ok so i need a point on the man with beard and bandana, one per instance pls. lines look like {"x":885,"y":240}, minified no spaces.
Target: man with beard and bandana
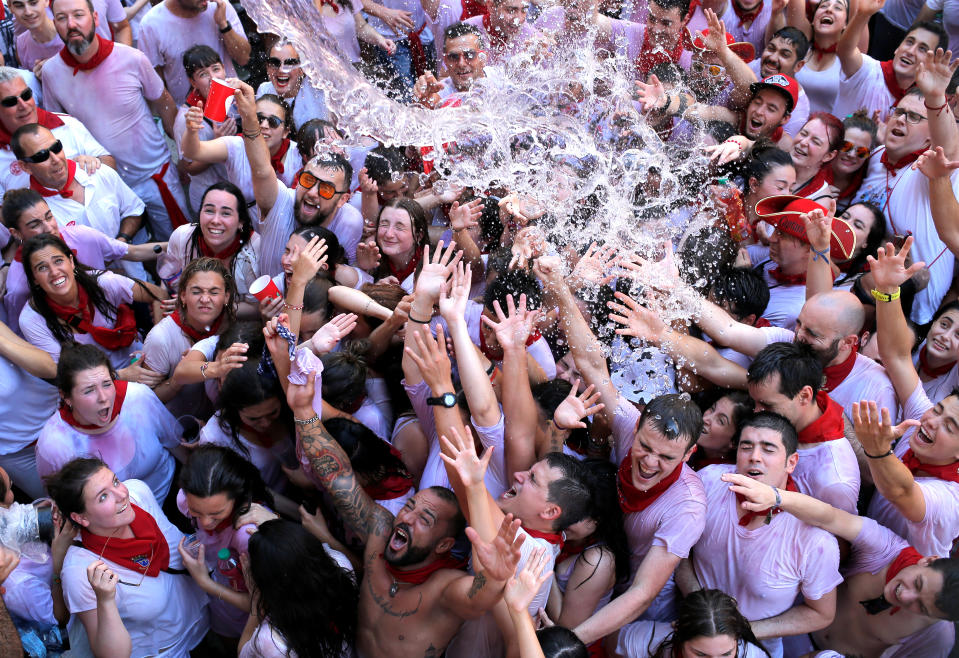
{"x":319,"y":198}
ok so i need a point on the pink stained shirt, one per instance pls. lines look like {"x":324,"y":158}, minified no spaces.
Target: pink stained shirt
{"x":785,"y":300}
{"x":163,"y":350}
{"x":30,"y":51}
{"x":874,"y":548}
{"x":829,"y":471}
{"x":755,"y":33}
{"x":763,"y":569}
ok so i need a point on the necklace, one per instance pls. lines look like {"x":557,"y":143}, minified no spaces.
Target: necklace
{"x":394,"y":588}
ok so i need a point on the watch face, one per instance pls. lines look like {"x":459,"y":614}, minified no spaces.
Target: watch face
{"x":449,"y":400}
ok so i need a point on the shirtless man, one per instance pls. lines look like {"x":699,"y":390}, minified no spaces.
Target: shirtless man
{"x":413,"y":598}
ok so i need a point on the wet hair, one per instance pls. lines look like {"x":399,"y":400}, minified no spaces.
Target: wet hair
{"x":74,"y":360}
{"x":369,"y":455}
{"x":674,"y":416}
{"x":344,"y":374}
{"x":17,"y":202}
{"x":744,"y":290}
{"x":667,"y":72}
{"x":419,"y":225}
{"x":383,"y":162}
{"x":706,"y":613}
{"x":249,"y":332}
{"x":681,"y":5}
{"x":763,"y":161}
{"x":935,"y":28}
{"x":19,"y":134}
{"x":795,"y":363}
{"x":316,"y":297}
{"x":548,"y":396}
{"x":742,"y":403}
{"x":770,"y":420}
{"x":561,"y":642}
{"x":66,"y":485}
{"x":835,"y":129}
{"x":874,"y":238}
{"x":570,"y":491}
{"x":458,"y":522}
{"x":309,"y":599}
{"x":491,"y":228}
{"x":215,"y":265}
{"x":210,"y":470}
{"x":457,"y":30}
{"x":244,"y":225}
{"x":861,"y":120}
{"x":335,"y":254}
{"x":706,"y":256}
{"x":336,"y":162}
{"x":516,"y":283}
{"x":311,"y":133}
{"x":719,"y":130}
{"x":796,"y":38}
{"x":953,"y":83}
{"x":604,"y":509}
{"x":947,"y":600}
{"x":199,"y":57}
{"x":244,"y":387}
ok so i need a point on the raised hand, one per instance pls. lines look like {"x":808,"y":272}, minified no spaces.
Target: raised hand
{"x":716,"y":39}
{"x":594,"y":267}
{"x":331,"y":333}
{"x":275,"y":343}
{"x":869,"y":7}
{"x":637,"y":320}
{"x":462,"y":457}
{"x":934,"y":74}
{"x":300,"y":397}
{"x":874,"y":428}
{"x":431,"y":357}
{"x":367,"y":255}
{"x":574,"y":408}
{"x":367,"y":184}
{"x":196,"y":566}
{"x":466,"y":216}
{"x":818,"y":229}
{"x":255,"y":515}
{"x":102,"y":579}
{"x":732,"y":149}
{"x":310,"y":260}
{"x":229,"y":359}
{"x":453,"y":301}
{"x":528,"y":244}
{"x":515,"y":326}
{"x":524,"y":209}
{"x":426,"y":90}
{"x":435,"y":271}
{"x":523,"y":588}
{"x":315,"y":524}
{"x":226,"y":128}
{"x":889,"y":268}
{"x":549,"y":271}
{"x":498,"y":558}
{"x":935,"y":164}
{"x":194,"y":118}
{"x":651,"y":94}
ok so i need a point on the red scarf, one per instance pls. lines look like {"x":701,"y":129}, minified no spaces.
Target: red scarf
{"x":67,"y":414}
{"x":473,"y":8}
{"x":332,"y":3}
{"x":276,"y":161}
{"x":744,"y":15}
{"x":929,"y":370}
{"x":836,"y":375}
{"x":762,"y":322}
{"x":193,"y":98}
{"x":401,"y":274}
{"x":815,"y":183}
{"x":906,"y":558}
{"x":650,"y":55}
{"x":498,"y":355}
{"x":80,"y":317}
{"x":788,"y":279}
{"x":907,"y":159}
{"x":147,"y":546}
{"x":554,"y":538}
{"x":819,"y":52}
{"x":631,"y":498}
{"x":829,"y":426}
{"x":890,"y":78}
{"x":854,"y":183}
{"x":947,"y":472}
{"x":48,"y":120}
{"x":421,"y":575}
{"x":496,"y":38}
{"x":568,"y":550}
{"x":392,"y":486}
{"x":227,"y":252}
{"x":104,"y":49}
{"x":195,"y":334}
{"x":749,"y":516}
{"x":65,"y":191}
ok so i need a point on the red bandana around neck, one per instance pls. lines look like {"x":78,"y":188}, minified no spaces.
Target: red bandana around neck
{"x":815,"y":183}
{"x":904,"y":161}
{"x":402,"y":274}
{"x":836,"y":375}
{"x":746,"y":16}
{"x":193,"y":98}
{"x":81,"y":318}
{"x":819,"y":52}
{"x":228,"y":251}
{"x":421,"y":575}
{"x":906,"y":558}
{"x":473,"y":8}
{"x":48,"y":120}
{"x":749,"y":515}
{"x":947,"y":472}
{"x":762,"y":322}
{"x":104,"y":49}
{"x":889,"y":76}
{"x":631,"y":498}
{"x":788,"y":279}
{"x":121,"y":388}
{"x":829,"y":426}
{"x":65,"y":191}
{"x":554,"y":538}
{"x":276,"y":161}
{"x":195,"y":334}
{"x":392,"y":486}
{"x":147,"y":552}
{"x":332,"y":3}
{"x":651,"y":55}
{"x":929,"y":370}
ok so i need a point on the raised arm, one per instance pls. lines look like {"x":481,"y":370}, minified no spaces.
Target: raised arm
{"x":459,"y":453}
{"x":819,"y":276}
{"x":237,"y":45}
{"x":933,"y":77}
{"x":796,"y":17}
{"x":737,"y":69}
{"x":257,"y":152}
{"x":848,"y":47}
{"x":211,"y":151}
{"x":519,"y":595}
{"x":942,"y":198}
{"x":21,"y":353}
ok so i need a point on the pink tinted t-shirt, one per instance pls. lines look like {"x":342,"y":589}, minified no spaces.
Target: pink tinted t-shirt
{"x":829,"y":471}
{"x":163,"y":350}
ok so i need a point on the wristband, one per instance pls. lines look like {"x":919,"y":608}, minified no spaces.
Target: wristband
{"x":409,"y":316}
{"x":252,"y":136}
{"x":293,"y":307}
{"x":203,"y":369}
{"x":669,"y":101}
{"x":733,"y":140}
{"x":938,"y":110}
{"x":124,"y":236}
{"x":491,"y":369}
{"x":779,"y":499}
{"x":824,"y":254}
{"x":882,"y":456}
{"x":157,"y":249}
{"x":883,"y":297}
{"x":560,"y":427}
{"x":308,"y":421}
{"x":226,"y":28}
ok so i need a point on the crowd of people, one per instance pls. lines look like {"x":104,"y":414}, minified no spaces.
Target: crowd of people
{"x":272,"y":390}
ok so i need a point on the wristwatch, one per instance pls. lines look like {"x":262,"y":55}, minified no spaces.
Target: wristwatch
{"x":447,"y":400}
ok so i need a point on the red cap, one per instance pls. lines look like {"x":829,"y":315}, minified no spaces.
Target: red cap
{"x":743,"y":49}
{"x":781,"y":82}
{"x":784,"y":212}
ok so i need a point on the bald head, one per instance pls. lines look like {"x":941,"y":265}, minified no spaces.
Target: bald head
{"x":844,"y":310}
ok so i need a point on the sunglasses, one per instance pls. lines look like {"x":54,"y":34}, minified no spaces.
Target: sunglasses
{"x":911,"y":117}
{"x":276,"y":62}
{"x":324,"y":188}
{"x":272,"y":121}
{"x":714,"y":70}
{"x":468,"y":55}
{"x":11,"y":101}
{"x":861,"y":151}
{"x":44,"y":154}
{"x":144,"y":567}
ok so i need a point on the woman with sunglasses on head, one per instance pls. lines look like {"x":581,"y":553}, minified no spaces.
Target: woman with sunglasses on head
{"x":288,"y":81}
{"x":815,"y":146}
{"x":869,"y":225}
{"x":121,"y":582}
{"x":70,"y":303}
{"x":819,"y":74}
{"x":850,"y":166}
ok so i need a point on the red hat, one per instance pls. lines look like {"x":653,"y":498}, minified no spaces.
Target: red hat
{"x":782,"y":83}
{"x":743,"y":49}
{"x":784,"y":212}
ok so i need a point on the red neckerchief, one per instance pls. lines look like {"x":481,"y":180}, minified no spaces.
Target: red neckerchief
{"x":276,"y":161}
{"x":81,"y":317}
{"x":699,"y":460}
{"x":762,"y":322}
{"x":227,"y":252}
{"x":222,"y":525}
{"x":193,"y":98}
{"x":836,"y":375}
{"x":496,"y":38}
{"x":392,"y":486}
{"x":48,"y":120}
{"x":146,"y":553}
{"x":819,"y":52}
{"x":906,"y":558}
{"x":890,"y":78}
{"x":776,"y":135}
{"x":907,"y":159}
{"x":829,"y":426}
{"x":65,"y":191}
{"x":746,"y":16}
{"x":570,"y":549}
{"x":750,"y":515}
{"x":947,"y":472}
{"x":929,"y":370}
{"x":473,"y":8}
{"x":498,"y":356}
{"x":332,"y":3}
{"x":815,"y":183}
{"x":631,"y":498}
{"x":410,"y":267}
{"x":104,"y":49}
{"x":554,"y":538}
{"x":195,"y":334}
{"x":67,"y":414}
{"x":649,"y":56}
{"x":421,"y":575}
{"x":788,"y":279}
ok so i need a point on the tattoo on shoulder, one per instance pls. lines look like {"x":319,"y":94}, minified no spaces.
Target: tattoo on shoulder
{"x":478,"y":582}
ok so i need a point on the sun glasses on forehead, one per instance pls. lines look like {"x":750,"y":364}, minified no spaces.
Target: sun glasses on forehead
{"x":276,"y":62}
{"x":861,"y":151}
{"x":11,"y":101}
{"x":44,"y":154}
{"x":324,"y":188}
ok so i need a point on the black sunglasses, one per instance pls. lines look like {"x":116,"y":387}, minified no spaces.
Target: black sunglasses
{"x":44,"y":154}
{"x":276,"y":62}
{"x":11,"y":101}
{"x":272,"y":121}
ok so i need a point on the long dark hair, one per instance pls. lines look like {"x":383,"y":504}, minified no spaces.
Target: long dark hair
{"x":418,"y":224}
{"x":346,"y":372}
{"x":245,"y":227}
{"x":600,"y":476}
{"x":207,"y":264}
{"x":211,"y":470}
{"x":306,"y":596}
{"x":706,"y":613}
{"x":66,"y":485}
{"x":242,"y":388}
{"x":77,"y":358}
{"x":369,"y":454}
{"x":874,"y":240}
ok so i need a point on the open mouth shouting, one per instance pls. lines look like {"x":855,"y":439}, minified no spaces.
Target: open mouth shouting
{"x":400,"y":539}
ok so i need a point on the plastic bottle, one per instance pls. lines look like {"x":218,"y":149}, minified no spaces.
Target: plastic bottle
{"x":229,"y":566}
{"x":732,"y":200}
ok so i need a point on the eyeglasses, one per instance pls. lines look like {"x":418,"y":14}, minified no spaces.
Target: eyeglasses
{"x":272,"y":121}
{"x":468,"y":55}
{"x":11,"y":101}
{"x":714,"y":70}
{"x":324,"y":188}
{"x":44,"y":154}
{"x":276,"y":62}
{"x":138,"y":562}
{"x":911,"y":117}
{"x":861,"y":151}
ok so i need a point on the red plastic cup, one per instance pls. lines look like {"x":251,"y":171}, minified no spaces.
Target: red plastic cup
{"x":218,"y":100}
{"x":264,"y":288}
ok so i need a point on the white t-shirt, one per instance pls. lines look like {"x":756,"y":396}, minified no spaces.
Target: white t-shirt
{"x":309,"y":102}
{"x":829,"y":471}
{"x":266,"y":460}
{"x":822,"y":86}
{"x":163,"y":350}
{"x":950,"y":17}
{"x":755,"y":33}
{"x":864,"y":89}
{"x":342,"y":27}
{"x":27,"y":594}
{"x":238,"y":171}
{"x":785,"y":300}
{"x":214,"y":173}
{"x":107,"y":200}
{"x":168,"y":612}
{"x":246,"y":265}
{"x":27,"y":403}
{"x":641,"y":639}
{"x":30,"y":51}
